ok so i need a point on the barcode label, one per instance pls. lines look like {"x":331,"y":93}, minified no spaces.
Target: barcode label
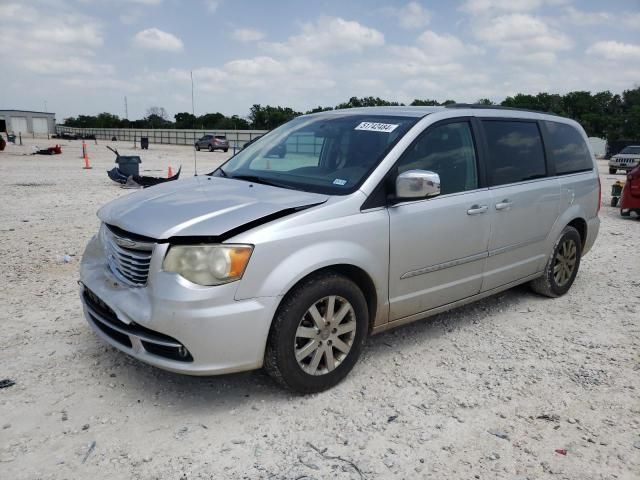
{"x":377,"y":127}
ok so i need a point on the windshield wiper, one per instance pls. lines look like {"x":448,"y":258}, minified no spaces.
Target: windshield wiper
{"x":263,"y":181}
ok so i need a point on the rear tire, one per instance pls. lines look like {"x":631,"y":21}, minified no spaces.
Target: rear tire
{"x":320,"y":299}
{"x":197,"y":147}
{"x":562,"y":266}
{"x":612,"y":171}
{"x":211,"y":148}
{"x":625,"y":212}
{"x":225,"y":150}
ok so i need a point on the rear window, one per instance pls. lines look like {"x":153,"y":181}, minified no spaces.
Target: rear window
{"x":221,"y":137}
{"x":567,"y":149}
{"x":515,"y":151}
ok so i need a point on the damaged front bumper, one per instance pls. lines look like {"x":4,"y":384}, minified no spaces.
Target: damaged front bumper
{"x":170,"y":322}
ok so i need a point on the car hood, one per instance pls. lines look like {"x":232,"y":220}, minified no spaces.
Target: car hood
{"x":626,"y":155}
{"x":201,"y":206}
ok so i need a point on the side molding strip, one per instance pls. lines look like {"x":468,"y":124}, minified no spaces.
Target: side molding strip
{"x":471,"y":258}
{"x":442,"y":266}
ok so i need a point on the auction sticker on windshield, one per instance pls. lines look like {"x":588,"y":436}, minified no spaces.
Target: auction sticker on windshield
{"x":376,"y":127}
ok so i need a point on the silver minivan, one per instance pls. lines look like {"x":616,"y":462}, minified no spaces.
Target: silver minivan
{"x":335,"y":226}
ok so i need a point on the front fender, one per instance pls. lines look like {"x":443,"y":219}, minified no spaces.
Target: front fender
{"x":278,"y":264}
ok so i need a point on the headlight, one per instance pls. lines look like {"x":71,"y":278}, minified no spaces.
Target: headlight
{"x":208,"y":264}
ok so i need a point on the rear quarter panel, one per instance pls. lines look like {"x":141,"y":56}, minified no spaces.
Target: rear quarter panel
{"x":579,"y":198}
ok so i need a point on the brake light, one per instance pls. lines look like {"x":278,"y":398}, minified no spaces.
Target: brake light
{"x":599,"y":195}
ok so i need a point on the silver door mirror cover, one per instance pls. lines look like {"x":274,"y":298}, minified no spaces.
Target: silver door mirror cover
{"x":414,"y":184}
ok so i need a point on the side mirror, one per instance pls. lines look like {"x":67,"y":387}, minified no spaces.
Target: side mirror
{"x":415,"y":184}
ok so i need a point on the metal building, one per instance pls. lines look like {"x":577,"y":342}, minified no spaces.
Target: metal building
{"x":26,"y":122}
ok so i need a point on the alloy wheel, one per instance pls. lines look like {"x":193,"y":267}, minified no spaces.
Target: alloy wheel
{"x":565,"y":262}
{"x":325,"y":335}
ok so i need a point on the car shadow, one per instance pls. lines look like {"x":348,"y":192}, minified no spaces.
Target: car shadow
{"x":205,"y":395}
{"x":442,"y":324}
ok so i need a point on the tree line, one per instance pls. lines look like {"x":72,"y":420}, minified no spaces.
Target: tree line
{"x":603,"y":114}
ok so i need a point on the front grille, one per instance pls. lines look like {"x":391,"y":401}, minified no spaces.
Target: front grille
{"x":103,"y":317}
{"x":627,"y":161}
{"x":128,"y":259}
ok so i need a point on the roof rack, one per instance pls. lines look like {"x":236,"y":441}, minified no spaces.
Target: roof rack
{"x":477,"y":106}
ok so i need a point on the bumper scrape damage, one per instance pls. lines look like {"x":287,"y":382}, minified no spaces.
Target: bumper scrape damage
{"x":172,"y":323}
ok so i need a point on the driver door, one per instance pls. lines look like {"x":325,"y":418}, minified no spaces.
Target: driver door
{"x":438,"y":246}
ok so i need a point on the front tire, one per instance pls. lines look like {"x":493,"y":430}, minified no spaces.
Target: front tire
{"x":197,"y":148}
{"x":317,"y":334}
{"x":612,"y":171}
{"x":562,"y":266}
{"x":211,"y":148}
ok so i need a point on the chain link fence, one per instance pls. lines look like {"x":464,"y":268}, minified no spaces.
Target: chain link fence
{"x":237,"y":138}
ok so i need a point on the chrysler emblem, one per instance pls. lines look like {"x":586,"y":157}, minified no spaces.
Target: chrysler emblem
{"x":125,"y":242}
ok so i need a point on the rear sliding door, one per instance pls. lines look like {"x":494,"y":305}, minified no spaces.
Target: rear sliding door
{"x":524,"y":200}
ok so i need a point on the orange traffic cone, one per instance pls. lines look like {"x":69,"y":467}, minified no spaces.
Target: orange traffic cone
{"x":169,"y":172}
{"x":86,"y":157}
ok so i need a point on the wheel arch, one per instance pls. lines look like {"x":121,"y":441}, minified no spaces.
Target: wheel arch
{"x":580,"y":224}
{"x":356,"y":274}
{"x":574,"y":217}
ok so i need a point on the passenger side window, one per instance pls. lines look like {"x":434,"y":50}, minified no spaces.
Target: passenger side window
{"x":567,"y":148}
{"x":447,"y":150}
{"x":515,"y":151}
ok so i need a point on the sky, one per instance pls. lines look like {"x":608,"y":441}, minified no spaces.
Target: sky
{"x":84,"y":56}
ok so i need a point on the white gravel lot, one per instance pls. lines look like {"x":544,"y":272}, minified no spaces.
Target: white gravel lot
{"x":486,"y":391}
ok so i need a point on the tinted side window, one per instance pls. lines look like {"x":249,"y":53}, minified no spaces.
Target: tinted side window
{"x":568,"y":150}
{"x":447,"y":150}
{"x":515,"y":151}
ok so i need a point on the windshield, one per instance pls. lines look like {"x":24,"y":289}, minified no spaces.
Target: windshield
{"x":331,"y":154}
{"x":633,"y":150}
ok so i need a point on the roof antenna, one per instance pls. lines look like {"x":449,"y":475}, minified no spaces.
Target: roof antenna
{"x":193,"y":112}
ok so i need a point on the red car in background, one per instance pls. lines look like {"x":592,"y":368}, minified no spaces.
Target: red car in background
{"x":630,"y":199}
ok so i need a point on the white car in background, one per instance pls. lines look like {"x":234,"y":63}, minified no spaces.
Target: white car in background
{"x":626,"y":160}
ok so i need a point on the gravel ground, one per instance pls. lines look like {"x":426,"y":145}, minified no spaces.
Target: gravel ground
{"x":492,"y":390}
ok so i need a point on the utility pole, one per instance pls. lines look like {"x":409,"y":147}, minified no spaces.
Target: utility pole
{"x":193,"y":108}
{"x":193,"y":112}
{"x":126,"y":108}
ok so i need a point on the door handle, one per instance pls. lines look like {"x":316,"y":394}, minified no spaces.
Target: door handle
{"x":504,"y":205}
{"x":477,"y":209}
